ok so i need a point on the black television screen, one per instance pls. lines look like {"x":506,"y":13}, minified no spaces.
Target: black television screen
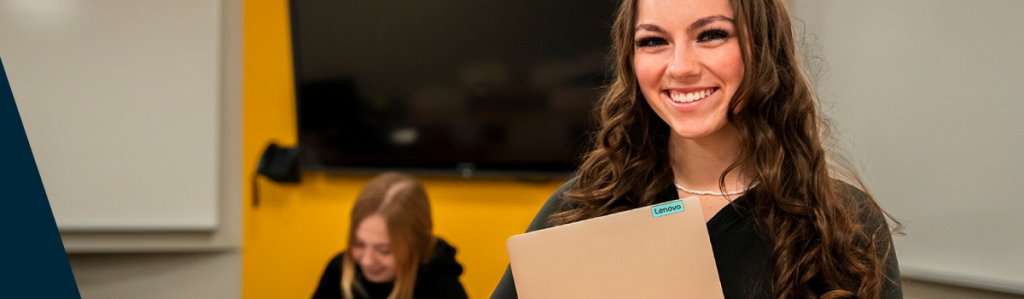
{"x":501,"y":87}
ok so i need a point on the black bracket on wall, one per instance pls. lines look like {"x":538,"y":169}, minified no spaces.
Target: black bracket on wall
{"x":279,"y":164}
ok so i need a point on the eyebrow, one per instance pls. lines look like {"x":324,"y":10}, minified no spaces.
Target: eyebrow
{"x":697,"y":24}
{"x":649,"y":27}
{"x":707,"y":20}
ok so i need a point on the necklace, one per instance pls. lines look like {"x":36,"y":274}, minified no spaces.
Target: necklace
{"x":697,"y":192}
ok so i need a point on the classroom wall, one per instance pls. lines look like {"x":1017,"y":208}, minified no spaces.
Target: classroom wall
{"x":917,"y":289}
{"x":170,"y":265}
{"x":115,"y":89}
{"x":289,"y":238}
{"x":926,"y":98}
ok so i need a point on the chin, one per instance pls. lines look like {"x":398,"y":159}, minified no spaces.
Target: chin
{"x":698,"y":132}
{"x":690,"y":133}
{"x":378,"y":279}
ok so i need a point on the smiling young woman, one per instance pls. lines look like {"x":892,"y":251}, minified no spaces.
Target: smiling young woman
{"x":709,"y":100}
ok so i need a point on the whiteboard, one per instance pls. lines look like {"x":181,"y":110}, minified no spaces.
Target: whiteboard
{"x":120,"y":100}
{"x":928,"y":97}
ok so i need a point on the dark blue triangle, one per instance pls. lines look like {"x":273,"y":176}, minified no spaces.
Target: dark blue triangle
{"x":33,"y":263}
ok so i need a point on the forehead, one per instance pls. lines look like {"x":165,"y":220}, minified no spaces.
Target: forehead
{"x":679,"y":13}
{"x":373,"y":230}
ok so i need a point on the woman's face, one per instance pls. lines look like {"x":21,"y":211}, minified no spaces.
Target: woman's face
{"x":688,"y":63}
{"x":372,"y":250}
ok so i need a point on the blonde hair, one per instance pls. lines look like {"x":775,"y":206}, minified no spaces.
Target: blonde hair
{"x":402,"y":201}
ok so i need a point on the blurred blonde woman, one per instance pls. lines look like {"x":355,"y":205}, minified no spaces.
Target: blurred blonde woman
{"x":392,"y":252}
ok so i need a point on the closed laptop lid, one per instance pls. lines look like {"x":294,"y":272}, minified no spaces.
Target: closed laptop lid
{"x":660,"y":251}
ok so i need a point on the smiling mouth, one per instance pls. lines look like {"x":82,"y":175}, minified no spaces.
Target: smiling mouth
{"x":681,"y":97}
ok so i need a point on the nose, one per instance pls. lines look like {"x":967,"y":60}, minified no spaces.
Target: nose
{"x":366,"y":259}
{"x":683,"y":64}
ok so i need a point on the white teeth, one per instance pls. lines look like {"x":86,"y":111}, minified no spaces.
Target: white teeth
{"x":690,"y":97}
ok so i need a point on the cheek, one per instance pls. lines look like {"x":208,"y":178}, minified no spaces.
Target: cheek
{"x":648,"y":72}
{"x":728,"y":64}
{"x":388,"y":261}
{"x":357,"y":254}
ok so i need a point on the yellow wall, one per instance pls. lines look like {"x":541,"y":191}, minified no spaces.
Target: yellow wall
{"x":293,"y":233}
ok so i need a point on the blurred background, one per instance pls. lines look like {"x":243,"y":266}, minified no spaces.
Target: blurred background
{"x":148,"y":119}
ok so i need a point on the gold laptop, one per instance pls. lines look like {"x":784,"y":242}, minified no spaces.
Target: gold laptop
{"x":660,"y":251}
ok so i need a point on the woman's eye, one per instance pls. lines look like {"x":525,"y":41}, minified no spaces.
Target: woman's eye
{"x":650,"y":42}
{"x":712,"y":35}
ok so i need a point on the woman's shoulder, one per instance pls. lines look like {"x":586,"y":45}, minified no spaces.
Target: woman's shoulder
{"x":330,"y":281}
{"x":553,"y":205}
{"x":862,"y":205}
{"x":442,"y":261}
{"x":876,"y":225}
{"x":441,"y":265}
{"x":439,"y":276}
{"x":335,"y":262}
{"x":557,"y":196}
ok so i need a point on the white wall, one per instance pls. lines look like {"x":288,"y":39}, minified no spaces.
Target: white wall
{"x":120,"y":101}
{"x":927,"y":96}
{"x":158,"y":275}
{"x":916,"y":289}
{"x":179,"y":264}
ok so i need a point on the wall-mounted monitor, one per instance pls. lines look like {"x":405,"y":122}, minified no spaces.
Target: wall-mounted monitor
{"x":448,"y":86}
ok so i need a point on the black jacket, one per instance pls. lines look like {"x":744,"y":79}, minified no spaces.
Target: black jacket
{"x":742,"y":251}
{"x":437,"y":278}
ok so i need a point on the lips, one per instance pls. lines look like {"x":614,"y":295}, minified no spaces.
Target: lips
{"x":687,"y":96}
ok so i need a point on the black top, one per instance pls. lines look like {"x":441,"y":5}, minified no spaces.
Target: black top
{"x":437,"y":278}
{"x":742,"y":251}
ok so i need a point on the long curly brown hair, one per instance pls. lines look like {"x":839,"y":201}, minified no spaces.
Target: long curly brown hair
{"x":818,"y":233}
